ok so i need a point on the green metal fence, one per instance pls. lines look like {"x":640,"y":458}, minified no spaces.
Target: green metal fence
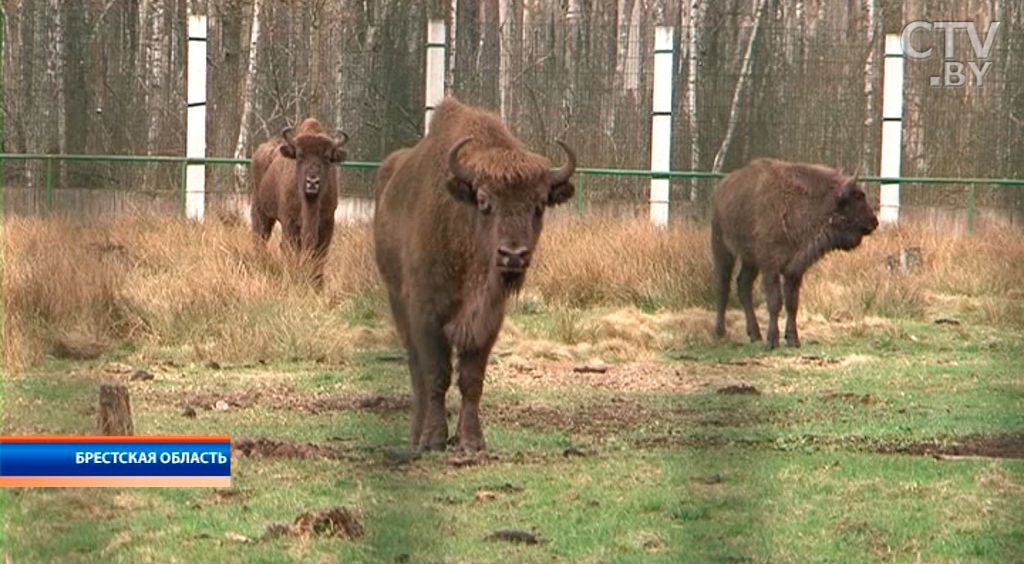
{"x":582,"y":174}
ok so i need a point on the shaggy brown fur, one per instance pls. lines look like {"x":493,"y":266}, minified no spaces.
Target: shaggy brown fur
{"x":457,"y":219}
{"x":295,"y":182}
{"x":779,"y":218}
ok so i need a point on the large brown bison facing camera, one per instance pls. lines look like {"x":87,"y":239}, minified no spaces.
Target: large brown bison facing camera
{"x":779,"y":218}
{"x":295,"y":183}
{"x":458,"y":217}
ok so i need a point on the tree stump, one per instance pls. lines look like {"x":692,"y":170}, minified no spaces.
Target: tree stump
{"x":115,"y":416}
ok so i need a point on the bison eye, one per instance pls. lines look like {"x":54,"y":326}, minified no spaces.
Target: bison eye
{"x":539,"y":210}
{"x":484,"y":206}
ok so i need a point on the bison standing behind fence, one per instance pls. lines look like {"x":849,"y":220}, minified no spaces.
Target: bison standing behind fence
{"x":457,"y":219}
{"x":295,"y":182}
{"x":779,"y":218}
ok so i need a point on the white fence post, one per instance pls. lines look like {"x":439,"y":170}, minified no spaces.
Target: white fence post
{"x":195,"y":144}
{"x":661,"y":123}
{"x":892,"y":130}
{"x":435,"y":69}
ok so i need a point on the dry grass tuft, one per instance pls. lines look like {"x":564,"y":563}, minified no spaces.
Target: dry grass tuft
{"x":74,"y":289}
{"x":77,"y":290}
{"x":583,"y":263}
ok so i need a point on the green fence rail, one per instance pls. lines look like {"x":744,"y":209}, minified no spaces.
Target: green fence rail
{"x":581,"y":173}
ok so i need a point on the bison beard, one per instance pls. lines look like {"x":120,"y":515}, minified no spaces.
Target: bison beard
{"x":457,"y":217}
{"x":778,"y":219}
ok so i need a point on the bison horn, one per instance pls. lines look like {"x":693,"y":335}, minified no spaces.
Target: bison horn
{"x":462,"y":174}
{"x":342,"y":139}
{"x":561,"y":175}
{"x":286,"y":134}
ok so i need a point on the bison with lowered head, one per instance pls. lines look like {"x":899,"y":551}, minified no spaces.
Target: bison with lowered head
{"x":458,"y":217}
{"x":778,"y":218}
{"x":294,"y":182}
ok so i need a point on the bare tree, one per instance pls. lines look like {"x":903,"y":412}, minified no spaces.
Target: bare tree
{"x":692,"y":20}
{"x":872,"y":76}
{"x":242,"y":146}
{"x":741,"y":82}
{"x":151,"y":18}
{"x":511,"y":16}
{"x":489,"y":55}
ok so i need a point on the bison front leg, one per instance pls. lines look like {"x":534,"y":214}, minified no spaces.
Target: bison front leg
{"x":472,"y":366}
{"x":434,"y":357}
{"x":791,"y":295}
{"x":291,"y":236}
{"x":262,"y":226}
{"x":320,"y":253}
{"x":771,"y":283}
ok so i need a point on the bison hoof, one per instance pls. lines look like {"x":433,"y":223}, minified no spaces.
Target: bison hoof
{"x":432,"y":445}
{"x":792,"y":342}
{"x":471,"y":444}
{"x":437,"y":440}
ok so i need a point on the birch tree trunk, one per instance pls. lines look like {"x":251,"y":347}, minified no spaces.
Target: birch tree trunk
{"x":350,"y":80}
{"x":741,"y":83}
{"x":692,"y":22}
{"x":242,"y":146}
{"x":467,"y":46}
{"x":915,"y":158}
{"x":572,"y":45}
{"x":872,"y":83}
{"x":54,"y":94}
{"x":623,"y":20}
{"x":156,"y":77}
{"x":77,"y":104}
{"x":489,"y":57}
{"x":511,"y":21}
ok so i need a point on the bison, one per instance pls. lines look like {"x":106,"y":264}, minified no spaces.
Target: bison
{"x":779,"y":218}
{"x":294,"y":182}
{"x":458,"y":217}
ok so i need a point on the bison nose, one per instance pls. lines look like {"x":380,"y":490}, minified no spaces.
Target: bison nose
{"x":518,"y":257}
{"x":312,"y":184}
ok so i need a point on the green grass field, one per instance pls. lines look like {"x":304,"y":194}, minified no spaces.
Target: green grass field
{"x":901,"y":442}
{"x":887,"y":438}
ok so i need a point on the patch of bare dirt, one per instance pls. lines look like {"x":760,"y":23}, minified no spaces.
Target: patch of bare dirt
{"x":239,"y":400}
{"x":285,"y":397}
{"x":805,"y":361}
{"x":1009,"y":445}
{"x":221,"y":497}
{"x":850,"y":397}
{"x":620,"y":415}
{"x":599,"y":418}
{"x":683,"y":377}
{"x":335,"y":521}
{"x":739,"y":389}
{"x":986,"y":446}
{"x":266,"y":448}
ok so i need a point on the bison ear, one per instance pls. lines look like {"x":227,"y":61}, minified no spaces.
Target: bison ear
{"x":287,"y":150}
{"x":560,"y":193}
{"x":847,"y":192}
{"x":338,"y":155}
{"x":462,"y":191}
